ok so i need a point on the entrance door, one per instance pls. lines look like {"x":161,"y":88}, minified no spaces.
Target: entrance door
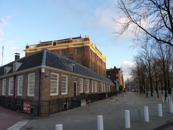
{"x":75,"y":87}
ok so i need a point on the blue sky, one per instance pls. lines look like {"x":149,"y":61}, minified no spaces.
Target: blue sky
{"x":30,"y":21}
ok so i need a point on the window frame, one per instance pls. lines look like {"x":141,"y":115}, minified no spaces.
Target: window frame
{"x":102,"y":86}
{"x":92,"y":88}
{"x":62,"y":54}
{"x":3,"y":86}
{"x":66,"y":85}
{"x":9,"y":86}
{"x":95,"y":86}
{"x":57,"y":86}
{"x":81,"y":85}
{"x":28,"y":94}
{"x":87,"y":86}
{"x":18,"y":85}
{"x":78,"y":50}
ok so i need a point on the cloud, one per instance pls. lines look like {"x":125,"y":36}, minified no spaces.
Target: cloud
{"x":16,"y":49}
{"x":126,"y":67}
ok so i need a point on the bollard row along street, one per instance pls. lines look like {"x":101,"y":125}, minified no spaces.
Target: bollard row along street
{"x":111,"y":113}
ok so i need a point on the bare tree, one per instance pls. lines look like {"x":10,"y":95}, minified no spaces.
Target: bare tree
{"x":151,"y":17}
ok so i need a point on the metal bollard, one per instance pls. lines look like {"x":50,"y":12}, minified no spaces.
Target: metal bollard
{"x":139,"y":113}
{"x":146,"y":114}
{"x":100,"y":122}
{"x":162,"y":98}
{"x":58,"y":127}
{"x":170,"y":107}
{"x":160,"y":110}
{"x":127,"y":119}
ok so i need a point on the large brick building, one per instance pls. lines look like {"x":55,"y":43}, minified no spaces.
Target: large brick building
{"x":78,"y":49}
{"x":48,"y":83}
{"x":116,"y":75}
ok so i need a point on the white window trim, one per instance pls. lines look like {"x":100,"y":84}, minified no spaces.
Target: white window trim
{"x":54,"y":94}
{"x":66,"y":86}
{"x":102,"y":86}
{"x":95,"y":86}
{"x":92,"y":88}
{"x":3,"y":87}
{"x":81,"y":85}
{"x":87,"y":86}
{"x":9,"y":86}
{"x":28,"y":86}
{"x":18,"y":85}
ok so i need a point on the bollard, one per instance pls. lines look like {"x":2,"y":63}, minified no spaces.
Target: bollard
{"x":146,"y":114}
{"x":89,"y":105}
{"x":58,"y":127}
{"x":160,"y":110}
{"x":170,"y":107}
{"x":162,"y":98}
{"x":139,"y":113}
{"x":127,"y":119}
{"x":100,"y":122}
{"x":167,"y":99}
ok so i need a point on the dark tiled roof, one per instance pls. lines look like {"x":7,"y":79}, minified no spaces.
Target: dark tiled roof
{"x":60,"y":62}
{"x":30,"y":61}
{"x":48,"y":58}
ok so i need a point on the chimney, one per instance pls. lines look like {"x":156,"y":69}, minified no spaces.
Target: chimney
{"x":17,"y":56}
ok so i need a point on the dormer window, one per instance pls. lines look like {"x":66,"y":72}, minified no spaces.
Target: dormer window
{"x":72,"y":67}
{"x":6,"y":70}
{"x":16,"y":66}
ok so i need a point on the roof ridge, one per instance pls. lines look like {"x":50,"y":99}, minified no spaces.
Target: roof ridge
{"x":44,"y":57}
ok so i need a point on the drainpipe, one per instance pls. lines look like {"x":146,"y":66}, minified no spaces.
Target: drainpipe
{"x":14,"y":79}
{"x":39,"y":70}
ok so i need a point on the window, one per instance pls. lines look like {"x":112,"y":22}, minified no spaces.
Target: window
{"x":87,"y":86}
{"x":81,"y":85}
{"x":109,"y":76}
{"x":93,"y":55}
{"x":94,"y":66}
{"x":20,"y":85}
{"x":91,"y":86}
{"x":54,"y":52}
{"x":90,"y":53}
{"x":6,"y":70}
{"x":16,"y":66}
{"x":109,"y":88}
{"x":63,"y":52}
{"x":10,"y":91}
{"x":91,"y":64}
{"x":64,"y":84}
{"x":95,"y":86}
{"x":73,"y":68}
{"x":78,"y":50}
{"x":54,"y":43}
{"x":31,"y":84}
{"x":54,"y":84}
{"x":78,"y":61}
{"x":102,"y":86}
{"x":4,"y":87}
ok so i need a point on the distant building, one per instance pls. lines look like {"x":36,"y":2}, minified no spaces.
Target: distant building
{"x":43,"y":83}
{"x":78,"y":49}
{"x":116,"y":74}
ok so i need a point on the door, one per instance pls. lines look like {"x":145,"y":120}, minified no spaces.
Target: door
{"x":75,"y":88}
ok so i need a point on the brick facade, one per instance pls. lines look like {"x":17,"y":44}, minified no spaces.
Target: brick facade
{"x":70,"y":47}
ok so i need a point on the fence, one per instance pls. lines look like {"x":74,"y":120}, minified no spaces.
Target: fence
{"x":45,"y":108}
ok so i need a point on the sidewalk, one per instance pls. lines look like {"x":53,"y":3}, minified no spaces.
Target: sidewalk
{"x":9,"y":119}
{"x":113,"y":113}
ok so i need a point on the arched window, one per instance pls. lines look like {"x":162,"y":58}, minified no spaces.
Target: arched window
{"x":79,"y":61}
{"x":54,"y":44}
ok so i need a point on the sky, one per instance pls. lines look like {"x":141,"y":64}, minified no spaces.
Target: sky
{"x":30,"y":21}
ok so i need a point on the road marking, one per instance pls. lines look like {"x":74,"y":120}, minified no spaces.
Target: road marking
{"x":18,"y":125}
